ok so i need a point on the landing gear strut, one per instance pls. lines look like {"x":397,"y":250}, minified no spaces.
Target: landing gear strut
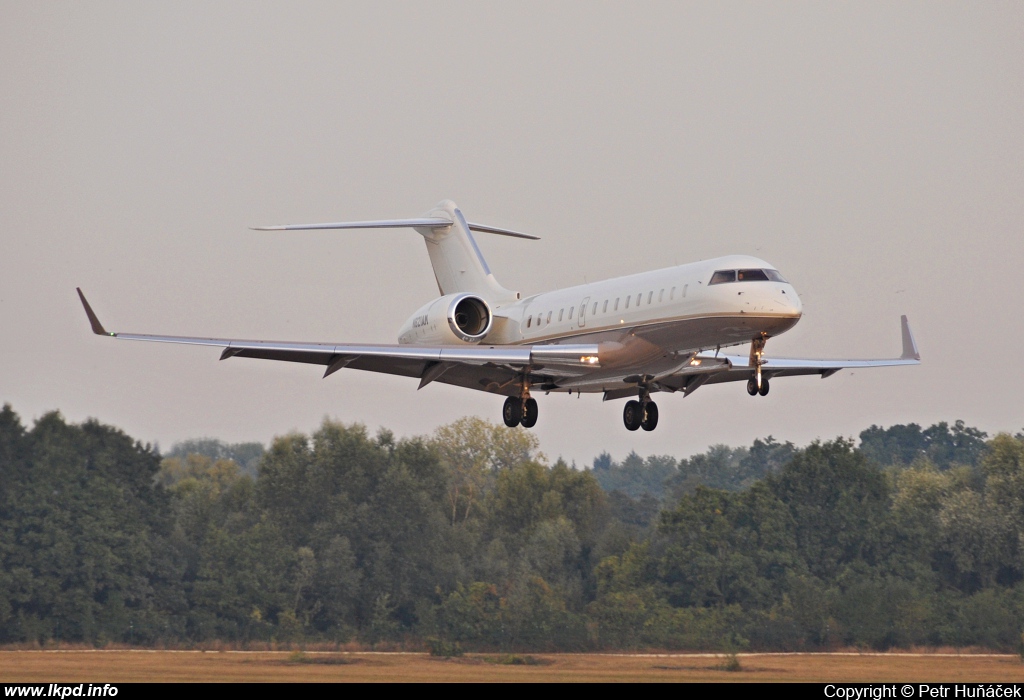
{"x":640,"y":414}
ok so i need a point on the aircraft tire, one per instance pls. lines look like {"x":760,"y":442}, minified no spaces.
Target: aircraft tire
{"x":752,"y":386}
{"x":632,"y":415}
{"x":763,"y":391}
{"x":512,"y":411}
{"x":650,"y":421}
{"x":530,"y":413}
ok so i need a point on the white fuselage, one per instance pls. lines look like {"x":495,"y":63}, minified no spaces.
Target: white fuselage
{"x":652,"y":321}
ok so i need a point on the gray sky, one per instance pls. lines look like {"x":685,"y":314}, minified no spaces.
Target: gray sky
{"x":871,"y":151}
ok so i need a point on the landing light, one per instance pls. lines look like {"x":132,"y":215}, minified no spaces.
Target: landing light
{"x":589,"y":359}
{"x":695,"y":362}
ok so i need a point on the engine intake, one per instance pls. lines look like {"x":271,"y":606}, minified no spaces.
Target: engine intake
{"x":469,"y":318}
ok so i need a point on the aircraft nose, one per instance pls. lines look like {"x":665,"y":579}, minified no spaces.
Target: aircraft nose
{"x":791,"y":300}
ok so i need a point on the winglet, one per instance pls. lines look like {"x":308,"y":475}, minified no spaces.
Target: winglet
{"x":909,"y":346}
{"x":97,"y":327}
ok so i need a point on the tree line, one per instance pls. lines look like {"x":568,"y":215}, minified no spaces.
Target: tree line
{"x":471,"y":537}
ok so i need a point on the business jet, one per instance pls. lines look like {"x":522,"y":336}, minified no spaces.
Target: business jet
{"x":627,"y":337}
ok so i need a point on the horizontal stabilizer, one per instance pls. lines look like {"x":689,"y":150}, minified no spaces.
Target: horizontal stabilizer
{"x":383,"y":223}
{"x":501,"y":231}
{"x":429,"y":222}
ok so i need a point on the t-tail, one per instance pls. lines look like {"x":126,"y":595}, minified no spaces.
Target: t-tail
{"x":458,"y":264}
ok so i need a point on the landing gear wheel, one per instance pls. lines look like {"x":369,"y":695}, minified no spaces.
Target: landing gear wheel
{"x":752,"y":386}
{"x":530,"y":412}
{"x":650,"y":421}
{"x":763,"y":391}
{"x":632,"y":415}
{"x":512,"y":412}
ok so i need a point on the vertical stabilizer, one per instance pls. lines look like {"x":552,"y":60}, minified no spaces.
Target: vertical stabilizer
{"x":458,"y":264}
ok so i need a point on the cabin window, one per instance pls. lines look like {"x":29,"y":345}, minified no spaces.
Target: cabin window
{"x":570,"y":312}
{"x":650,"y":295}
{"x":529,"y":320}
{"x":627,"y":302}
{"x":661,"y":296}
{"x":548,"y":318}
{"x":672,"y":294}
{"x":604,"y":309}
{"x":617,"y":304}
{"x":594,"y":312}
{"x":560,"y":312}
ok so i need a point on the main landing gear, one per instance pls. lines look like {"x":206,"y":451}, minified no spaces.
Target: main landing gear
{"x":520,"y":411}
{"x":641,"y":414}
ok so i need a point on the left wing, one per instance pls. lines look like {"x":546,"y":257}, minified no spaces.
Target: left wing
{"x":712,"y":368}
{"x":494,"y":368}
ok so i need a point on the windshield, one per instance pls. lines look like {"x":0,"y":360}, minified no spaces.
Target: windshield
{"x":755,"y":275}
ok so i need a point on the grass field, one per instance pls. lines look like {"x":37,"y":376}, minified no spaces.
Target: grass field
{"x":228,"y":666}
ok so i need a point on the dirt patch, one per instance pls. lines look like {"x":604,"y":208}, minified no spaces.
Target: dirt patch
{"x":93,"y":666}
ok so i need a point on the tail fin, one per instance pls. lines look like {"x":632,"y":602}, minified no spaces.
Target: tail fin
{"x":458,"y":264}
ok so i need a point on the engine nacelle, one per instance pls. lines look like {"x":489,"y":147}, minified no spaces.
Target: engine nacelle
{"x":450,"y":320}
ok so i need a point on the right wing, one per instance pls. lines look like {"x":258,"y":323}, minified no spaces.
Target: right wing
{"x":494,"y":368}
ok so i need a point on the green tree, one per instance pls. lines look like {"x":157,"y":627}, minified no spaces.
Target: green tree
{"x":246,"y":454}
{"x":473,"y":451}
{"x":723,"y":548}
{"x":942,"y":445}
{"x":635,"y":477}
{"x":838,"y":503}
{"x":79,"y":553}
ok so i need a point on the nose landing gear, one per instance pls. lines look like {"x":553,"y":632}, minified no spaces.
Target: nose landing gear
{"x":754,"y":390}
{"x":758,"y":383}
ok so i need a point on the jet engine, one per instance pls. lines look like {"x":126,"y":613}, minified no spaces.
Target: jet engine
{"x":449,"y":320}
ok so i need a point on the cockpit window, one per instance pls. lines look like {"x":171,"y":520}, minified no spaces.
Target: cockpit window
{"x":723,"y":276}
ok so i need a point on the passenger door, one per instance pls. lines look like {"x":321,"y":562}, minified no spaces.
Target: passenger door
{"x":583,"y":312}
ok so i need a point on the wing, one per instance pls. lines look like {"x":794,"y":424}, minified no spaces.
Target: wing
{"x":494,"y":368}
{"x":715,"y":368}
